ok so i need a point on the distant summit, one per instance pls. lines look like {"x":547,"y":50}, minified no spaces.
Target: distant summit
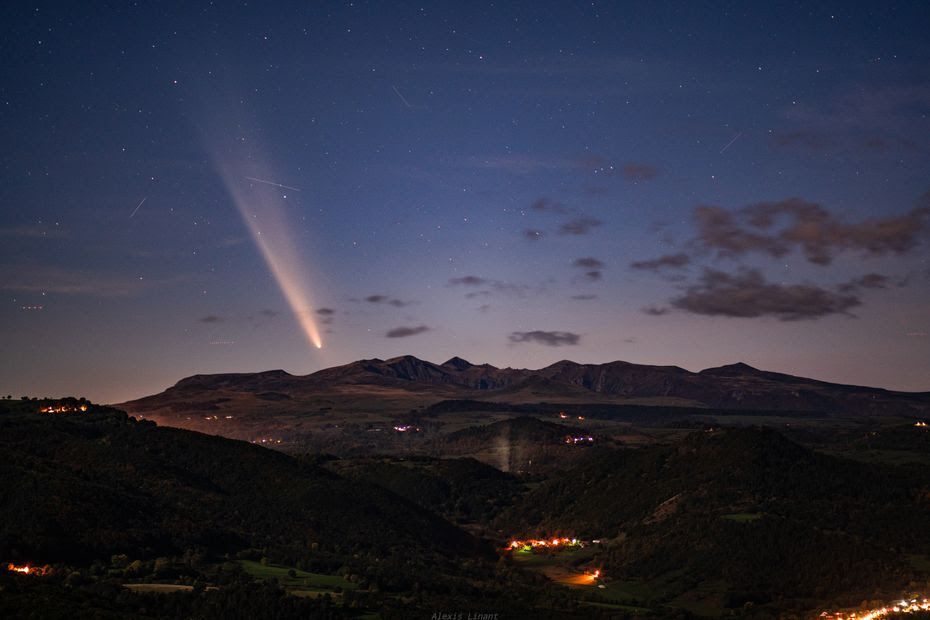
{"x":731,"y":370}
{"x":458,"y":363}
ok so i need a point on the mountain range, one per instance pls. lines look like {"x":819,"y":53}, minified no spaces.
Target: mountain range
{"x":407,"y":382}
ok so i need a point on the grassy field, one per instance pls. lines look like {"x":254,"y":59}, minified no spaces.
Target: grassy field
{"x":302,"y":583}
{"x":566,"y":556}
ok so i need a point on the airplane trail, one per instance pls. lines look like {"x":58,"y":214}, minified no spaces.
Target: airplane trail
{"x":138,"y":206}
{"x":296,"y":189}
{"x":406,"y":103}
{"x":731,"y":142}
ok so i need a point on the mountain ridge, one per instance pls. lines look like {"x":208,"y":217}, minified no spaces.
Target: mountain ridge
{"x":405,"y":383}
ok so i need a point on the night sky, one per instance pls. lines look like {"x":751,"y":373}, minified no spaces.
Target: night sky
{"x":197,"y":188}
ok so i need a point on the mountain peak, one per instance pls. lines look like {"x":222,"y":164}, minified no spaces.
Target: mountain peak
{"x":457,"y":363}
{"x":731,"y":370}
{"x":409,"y":359}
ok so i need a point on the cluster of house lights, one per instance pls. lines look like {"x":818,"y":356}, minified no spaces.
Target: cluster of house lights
{"x":63,"y":409}
{"x":901,"y":607}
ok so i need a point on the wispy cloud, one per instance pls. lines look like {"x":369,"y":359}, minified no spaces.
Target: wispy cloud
{"x":388,"y":300}
{"x":592,"y":266}
{"x":547,"y":338}
{"x":579,"y":226}
{"x":672,"y":261}
{"x":489,"y":286}
{"x":406,"y":332}
{"x":532,"y":234}
{"x":639,"y":172}
{"x":326,"y":315}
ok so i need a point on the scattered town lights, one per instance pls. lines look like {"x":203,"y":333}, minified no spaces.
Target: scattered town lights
{"x":63,"y":408}
{"x":26,"y":569}
{"x":902,"y":606}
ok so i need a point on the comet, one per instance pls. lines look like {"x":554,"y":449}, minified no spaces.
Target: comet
{"x":265,"y":215}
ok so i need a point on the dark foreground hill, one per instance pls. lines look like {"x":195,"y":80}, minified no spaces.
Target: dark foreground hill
{"x":739,"y":516}
{"x":87,"y":485}
{"x":104,"y":509}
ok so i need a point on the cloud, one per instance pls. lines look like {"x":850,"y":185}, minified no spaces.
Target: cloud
{"x":655,"y":311}
{"x":545,"y":204}
{"x":776,"y":228}
{"x":592,"y":266}
{"x":584,"y":297}
{"x":588,"y":263}
{"x":326,"y":315}
{"x":639,"y":172}
{"x":386,"y":299}
{"x":749,"y":295}
{"x":579,"y":226}
{"x":492,"y":286}
{"x":468,"y":281}
{"x":211,"y":318}
{"x":719,"y":229}
{"x":668,"y":260}
{"x":870,"y":280}
{"x":404,"y":332}
{"x":531,"y":234}
{"x":549,"y":339}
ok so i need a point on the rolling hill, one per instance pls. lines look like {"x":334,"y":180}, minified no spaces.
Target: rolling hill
{"x":738,"y":516}
{"x":88,"y":485}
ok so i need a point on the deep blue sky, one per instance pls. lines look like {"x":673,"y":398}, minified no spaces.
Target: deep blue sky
{"x":515,"y":183}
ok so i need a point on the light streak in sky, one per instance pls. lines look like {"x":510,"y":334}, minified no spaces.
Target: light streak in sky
{"x":139,"y":206}
{"x":296,"y":189}
{"x":402,"y":98}
{"x":731,"y":142}
{"x":264,"y":212}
